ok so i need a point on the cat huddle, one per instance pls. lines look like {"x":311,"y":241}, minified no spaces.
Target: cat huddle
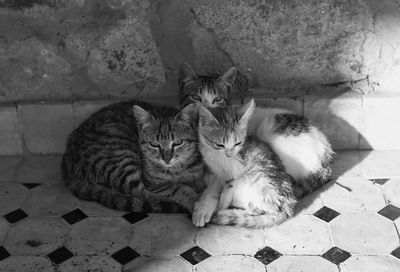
{"x":255,"y":163}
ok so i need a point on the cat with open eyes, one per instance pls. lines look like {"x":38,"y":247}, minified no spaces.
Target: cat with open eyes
{"x":251,"y":185}
{"x":136,"y":157}
{"x":303,"y":150}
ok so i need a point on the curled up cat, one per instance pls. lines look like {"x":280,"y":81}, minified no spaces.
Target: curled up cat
{"x":136,"y":157}
{"x":249,"y":181}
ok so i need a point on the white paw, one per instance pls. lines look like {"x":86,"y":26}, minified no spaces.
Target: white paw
{"x":203,"y":210}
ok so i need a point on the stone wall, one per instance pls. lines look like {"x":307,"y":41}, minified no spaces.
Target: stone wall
{"x":96,"y":49}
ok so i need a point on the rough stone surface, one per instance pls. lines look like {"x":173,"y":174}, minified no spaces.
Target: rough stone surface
{"x":26,"y":264}
{"x":64,"y":50}
{"x":91,"y":49}
{"x":36,"y":236}
{"x":92,"y":263}
{"x":181,"y":234}
{"x":99,"y":236}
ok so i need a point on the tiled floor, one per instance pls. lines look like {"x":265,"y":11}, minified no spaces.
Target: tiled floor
{"x":352,"y":224}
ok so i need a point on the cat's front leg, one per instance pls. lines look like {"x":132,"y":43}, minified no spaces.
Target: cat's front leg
{"x":181,"y":194}
{"x":208,"y":202}
{"x":226,"y":197}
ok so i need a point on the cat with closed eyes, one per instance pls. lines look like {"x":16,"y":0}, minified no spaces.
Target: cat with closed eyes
{"x":136,"y":157}
{"x":302,"y":148}
{"x":251,"y":185}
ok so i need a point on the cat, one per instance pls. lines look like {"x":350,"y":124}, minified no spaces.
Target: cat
{"x":250,"y":180}
{"x":211,"y":90}
{"x":135,"y":157}
{"x":302,"y":147}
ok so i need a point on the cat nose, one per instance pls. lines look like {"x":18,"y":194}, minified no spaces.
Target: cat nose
{"x":229,"y":153}
{"x":166,"y":155}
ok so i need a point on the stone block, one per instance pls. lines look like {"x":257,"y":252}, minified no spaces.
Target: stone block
{"x":302,"y":263}
{"x":99,"y":236}
{"x":90,"y":263}
{"x":338,"y":116}
{"x":380,"y":163}
{"x":158,"y":265}
{"x":370,"y":264}
{"x":40,"y":169}
{"x":363,"y":234}
{"x":8,"y":167}
{"x":180,"y":238}
{"x":46,"y":126}
{"x":20,"y":263}
{"x":302,"y":234}
{"x":83,"y":109}
{"x":10,"y":132}
{"x":223,"y":240}
{"x":230,"y":263}
{"x":381,"y":122}
{"x":36,"y":236}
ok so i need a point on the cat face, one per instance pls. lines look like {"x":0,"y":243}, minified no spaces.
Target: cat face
{"x":210,"y":91}
{"x":166,"y":138}
{"x":225,"y":129}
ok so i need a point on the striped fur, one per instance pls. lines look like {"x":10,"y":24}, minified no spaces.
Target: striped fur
{"x":133,"y":156}
{"x":259,"y":192}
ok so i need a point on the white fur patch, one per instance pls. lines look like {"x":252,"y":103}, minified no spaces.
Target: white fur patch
{"x":301,"y":154}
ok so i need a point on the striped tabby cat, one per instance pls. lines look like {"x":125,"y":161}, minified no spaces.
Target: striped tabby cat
{"x":258,"y":193}
{"x":133,"y":156}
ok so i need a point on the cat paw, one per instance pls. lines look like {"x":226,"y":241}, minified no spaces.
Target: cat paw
{"x":203,"y":210}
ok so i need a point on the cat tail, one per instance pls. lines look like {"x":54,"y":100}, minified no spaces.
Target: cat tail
{"x":109,"y":197}
{"x":243,"y":218}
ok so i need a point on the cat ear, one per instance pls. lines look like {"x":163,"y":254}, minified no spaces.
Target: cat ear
{"x":188,"y":113}
{"x":229,"y":77}
{"x":142,"y":116}
{"x":206,"y":117}
{"x":186,"y":73}
{"x":245,"y":112}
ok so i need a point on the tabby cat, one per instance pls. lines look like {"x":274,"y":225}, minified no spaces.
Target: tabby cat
{"x":258,"y":193}
{"x":303,"y":149}
{"x":133,"y":156}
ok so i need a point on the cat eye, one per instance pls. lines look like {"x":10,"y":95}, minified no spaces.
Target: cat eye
{"x":238,"y":143}
{"x":177,"y":143}
{"x":196,"y":97}
{"x":219,"y":145}
{"x":154,"y":145}
{"x":218,"y":99}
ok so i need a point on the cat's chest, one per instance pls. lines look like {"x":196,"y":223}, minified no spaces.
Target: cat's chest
{"x":222,"y":166}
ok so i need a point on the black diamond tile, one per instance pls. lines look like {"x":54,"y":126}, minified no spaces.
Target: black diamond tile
{"x":74,"y":216}
{"x":391,"y":212}
{"x":195,"y":255}
{"x":396,"y":252}
{"x":326,"y":214}
{"x":125,"y":255}
{"x":60,"y":255}
{"x":15,"y":216}
{"x":4,"y":253}
{"x":134,"y":217}
{"x":336,"y":255}
{"x":31,"y":185}
{"x":380,"y":181}
{"x":267,"y":255}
